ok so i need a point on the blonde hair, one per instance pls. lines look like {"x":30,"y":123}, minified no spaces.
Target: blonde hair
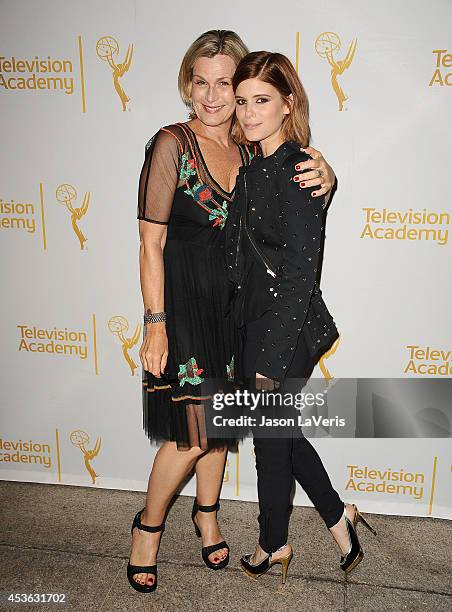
{"x":209,"y":44}
{"x":277,"y":70}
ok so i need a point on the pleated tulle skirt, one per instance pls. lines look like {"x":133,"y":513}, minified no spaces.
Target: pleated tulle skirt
{"x":200,"y":329}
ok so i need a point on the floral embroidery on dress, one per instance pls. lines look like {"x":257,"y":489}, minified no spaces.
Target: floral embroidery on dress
{"x":187,"y":168}
{"x":189,"y":372}
{"x":220,"y":215}
{"x":230,"y":369}
{"x":195,"y":174}
{"x":200,"y":192}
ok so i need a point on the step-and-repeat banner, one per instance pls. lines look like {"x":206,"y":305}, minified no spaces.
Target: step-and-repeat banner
{"x":83,"y":87}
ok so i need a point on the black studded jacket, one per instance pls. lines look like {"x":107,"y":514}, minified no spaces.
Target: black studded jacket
{"x":274,"y":240}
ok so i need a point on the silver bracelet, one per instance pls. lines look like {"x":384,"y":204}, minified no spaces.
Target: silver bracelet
{"x":155,"y":317}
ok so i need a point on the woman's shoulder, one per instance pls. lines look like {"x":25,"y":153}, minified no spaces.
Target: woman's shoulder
{"x":293,"y":154}
{"x":177,"y":130}
{"x":170,"y":136}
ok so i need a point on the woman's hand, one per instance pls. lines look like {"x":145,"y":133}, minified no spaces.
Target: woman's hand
{"x":154,"y":350}
{"x":315,"y":172}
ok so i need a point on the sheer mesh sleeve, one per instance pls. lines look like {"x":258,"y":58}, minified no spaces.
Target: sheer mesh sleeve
{"x":158,"y":178}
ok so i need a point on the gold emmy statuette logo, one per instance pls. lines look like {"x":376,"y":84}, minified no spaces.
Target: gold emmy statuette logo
{"x":80,"y":439}
{"x":106,"y":48}
{"x":326,"y":373}
{"x":66,"y":194}
{"x":327,"y":44}
{"x":118,"y":325}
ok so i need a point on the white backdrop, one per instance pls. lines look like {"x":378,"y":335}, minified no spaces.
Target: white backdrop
{"x":74,"y":127}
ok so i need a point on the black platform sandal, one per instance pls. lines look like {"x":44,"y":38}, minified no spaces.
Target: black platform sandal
{"x":133,"y":570}
{"x":208,"y":550}
{"x":355,"y":554}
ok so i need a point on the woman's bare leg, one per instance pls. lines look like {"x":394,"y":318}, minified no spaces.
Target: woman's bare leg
{"x":170,"y":468}
{"x":209,"y":479}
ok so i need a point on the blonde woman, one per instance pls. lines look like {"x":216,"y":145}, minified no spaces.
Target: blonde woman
{"x":186,"y":190}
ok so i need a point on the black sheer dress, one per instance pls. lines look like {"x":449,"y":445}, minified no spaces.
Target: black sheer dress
{"x":177,"y":190}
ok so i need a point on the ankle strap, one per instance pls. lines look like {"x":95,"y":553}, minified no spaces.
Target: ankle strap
{"x":208,"y":508}
{"x":137,"y":523}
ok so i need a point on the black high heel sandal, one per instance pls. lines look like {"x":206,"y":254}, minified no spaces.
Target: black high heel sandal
{"x":208,"y":550}
{"x":355,"y":554}
{"x":254,"y":571}
{"x":132,"y":570}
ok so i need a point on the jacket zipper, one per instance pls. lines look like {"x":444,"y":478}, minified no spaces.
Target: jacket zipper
{"x":238,"y":242}
{"x":251,"y":239}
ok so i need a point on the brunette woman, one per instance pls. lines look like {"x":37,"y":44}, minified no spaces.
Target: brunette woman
{"x":275,"y":245}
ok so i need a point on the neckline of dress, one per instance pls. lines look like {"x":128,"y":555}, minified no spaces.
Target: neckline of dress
{"x":195,"y":139}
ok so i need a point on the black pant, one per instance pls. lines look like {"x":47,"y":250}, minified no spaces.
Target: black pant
{"x":280,"y":460}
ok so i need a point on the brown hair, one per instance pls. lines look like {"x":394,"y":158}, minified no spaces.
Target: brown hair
{"x":209,"y":44}
{"x":276,"y":69}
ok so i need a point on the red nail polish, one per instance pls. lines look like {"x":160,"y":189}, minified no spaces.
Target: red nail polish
{"x":296,"y":178}
{"x":302,"y":184}
{"x":314,"y":193}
